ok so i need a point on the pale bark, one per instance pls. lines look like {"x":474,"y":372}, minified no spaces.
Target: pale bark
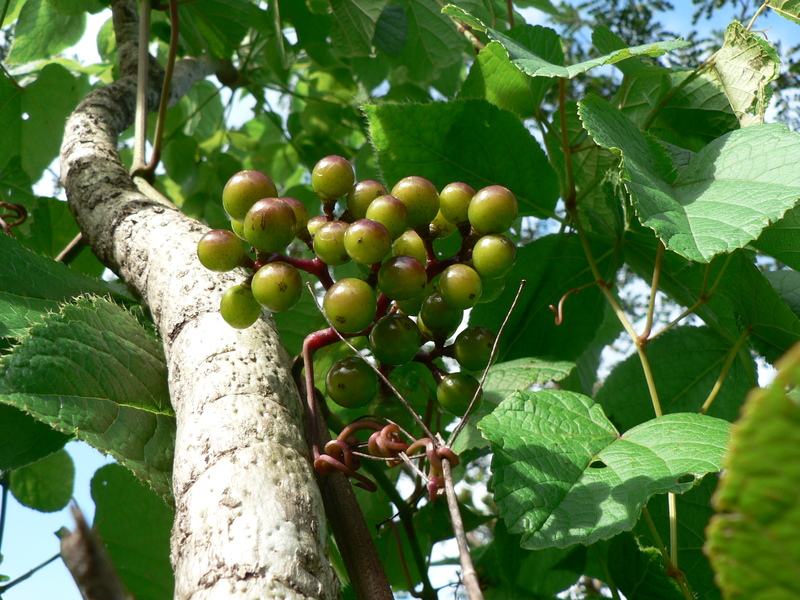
{"x":249,"y":517}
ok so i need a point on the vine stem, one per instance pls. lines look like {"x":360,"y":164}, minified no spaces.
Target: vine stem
{"x":755,"y":16}
{"x":21,"y":578}
{"x":142,"y":72}
{"x":4,"y":483}
{"x":672,"y":569}
{"x":653,"y":291}
{"x":468,"y":573}
{"x":725,"y":368}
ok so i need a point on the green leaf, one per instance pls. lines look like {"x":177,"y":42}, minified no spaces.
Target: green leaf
{"x":45,"y":485}
{"x":781,"y":240}
{"x":216,"y":26}
{"x":752,"y":542}
{"x":562,"y":474}
{"x":787,"y":284}
{"x":205,"y":107}
{"x":92,"y":371}
{"x":355,"y":25}
{"x":745,"y":66}
{"x":33,"y":118}
{"x":788,"y":9}
{"x":528,"y":61}
{"x":502,"y":380}
{"x":493,"y":76}
{"x":640,"y":572}
{"x":31,"y":285}
{"x":24,"y":440}
{"x":433,"y":43}
{"x":552,"y":265}
{"x":463,"y":140}
{"x":135,"y":527}
{"x":41,"y":32}
{"x":391,"y":31}
{"x":685,"y":363}
{"x":720,"y":200}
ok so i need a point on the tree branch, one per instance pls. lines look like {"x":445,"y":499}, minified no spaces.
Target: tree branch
{"x":249,"y":516}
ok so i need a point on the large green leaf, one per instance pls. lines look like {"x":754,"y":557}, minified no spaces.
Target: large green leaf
{"x":355,"y":25}
{"x":42,"y":32}
{"x":752,"y":542}
{"x":788,"y":9}
{"x":781,"y":240}
{"x":24,"y":440}
{"x":685,"y":363}
{"x":493,"y":76}
{"x":562,"y":473}
{"x":32,"y":119}
{"x":45,"y":485}
{"x":528,"y":61}
{"x":552,"y":265}
{"x":134,"y":525}
{"x":92,"y":371}
{"x":640,"y":572}
{"x":463,"y":140}
{"x":215,"y":26}
{"x":787,"y":284}
{"x":745,"y":66}
{"x":712,"y":202}
{"x":31,"y":285}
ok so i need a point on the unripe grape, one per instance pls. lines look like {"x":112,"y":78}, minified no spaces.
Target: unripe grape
{"x":277,"y":286}
{"x":300,"y":212}
{"x":473,"y":348}
{"x":238,"y":229}
{"x":395,"y":340}
{"x":361,"y":196}
{"x":220,"y":250}
{"x":420,"y":197}
{"x":244,"y":189}
{"x":238,"y":307}
{"x":493,"y":256}
{"x":410,"y":244}
{"x":367,"y":241}
{"x":413,"y":305}
{"x":492,"y":210}
{"x":438,"y":318}
{"x":442,"y":228}
{"x":329,"y":243}
{"x":460,"y":286}
{"x":314,"y":223}
{"x":492,"y":288}
{"x":350,"y":305}
{"x":402,"y":278}
{"x":391,"y":213}
{"x":270,"y":225}
{"x":454,"y":201}
{"x":455,"y":392}
{"x":351,"y":382}
{"x":332,"y":178}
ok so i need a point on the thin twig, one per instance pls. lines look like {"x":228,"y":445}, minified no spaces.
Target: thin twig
{"x":140,"y":126}
{"x":21,"y":578}
{"x":725,"y":368}
{"x":468,"y":574}
{"x":462,"y":423}
{"x":653,"y":292}
{"x":71,"y":250}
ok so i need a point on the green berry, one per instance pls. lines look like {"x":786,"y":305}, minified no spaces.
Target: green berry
{"x":238,"y":229}
{"x":460,"y":286}
{"x":239,"y":308}
{"x":438,"y":318}
{"x":493,"y":256}
{"x":244,"y":189}
{"x":492,"y":288}
{"x":277,"y":286}
{"x":329,"y":243}
{"x":367,"y":241}
{"x":350,"y":305}
{"x":441,"y":228}
{"x":361,"y":196}
{"x":473,"y":348}
{"x":421,"y":199}
{"x":300,"y":212}
{"x":395,"y":340}
{"x":314,"y":223}
{"x":220,"y":250}
{"x":402,"y":278}
{"x":454,"y":202}
{"x":410,"y":244}
{"x":492,"y":210}
{"x":270,"y":225}
{"x":455,"y":392}
{"x":332,"y":178}
{"x":391,"y":213}
{"x":413,"y":305}
{"x":351,"y":382}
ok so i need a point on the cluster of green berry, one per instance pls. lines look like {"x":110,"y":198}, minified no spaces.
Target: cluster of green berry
{"x":408,"y":298}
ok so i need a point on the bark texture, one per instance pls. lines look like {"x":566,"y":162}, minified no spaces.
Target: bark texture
{"x":249,"y":517}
